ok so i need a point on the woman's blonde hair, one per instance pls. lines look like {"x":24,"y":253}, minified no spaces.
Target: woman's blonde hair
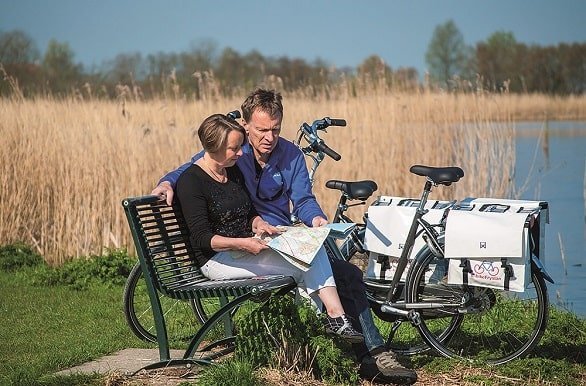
{"x":213,"y":131}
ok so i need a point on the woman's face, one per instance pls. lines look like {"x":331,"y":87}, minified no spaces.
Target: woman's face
{"x":233,"y":149}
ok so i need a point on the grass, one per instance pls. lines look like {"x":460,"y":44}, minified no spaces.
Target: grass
{"x":48,"y":328}
{"x":45,"y":329}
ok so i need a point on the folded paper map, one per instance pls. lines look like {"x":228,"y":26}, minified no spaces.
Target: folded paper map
{"x":299,"y":244}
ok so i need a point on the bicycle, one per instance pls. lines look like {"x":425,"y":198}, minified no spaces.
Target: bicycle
{"x":457,"y":320}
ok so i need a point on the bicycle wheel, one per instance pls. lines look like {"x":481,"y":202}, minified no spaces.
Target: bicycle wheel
{"x":493,"y":326}
{"x":180,"y":316}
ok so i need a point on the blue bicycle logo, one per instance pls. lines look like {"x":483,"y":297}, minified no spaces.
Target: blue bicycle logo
{"x":486,"y":267}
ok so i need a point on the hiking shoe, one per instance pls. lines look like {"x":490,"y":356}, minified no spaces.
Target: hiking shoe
{"x":385,"y":368}
{"x":341,"y":326}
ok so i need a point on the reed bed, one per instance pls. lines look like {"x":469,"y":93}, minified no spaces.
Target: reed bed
{"x":67,"y":164}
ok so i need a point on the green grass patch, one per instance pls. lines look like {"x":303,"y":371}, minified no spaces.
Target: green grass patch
{"x":228,"y":373}
{"x":47,"y":328}
{"x":283,"y":334}
{"x":49,"y":322}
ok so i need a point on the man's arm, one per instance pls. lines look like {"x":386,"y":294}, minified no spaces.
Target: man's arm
{"x":305,"y":205}
{"x":166,"y":184}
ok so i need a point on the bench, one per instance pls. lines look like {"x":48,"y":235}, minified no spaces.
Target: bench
{"x":161,"y":238}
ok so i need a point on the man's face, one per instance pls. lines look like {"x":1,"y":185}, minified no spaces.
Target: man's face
{"x":263,"y":132}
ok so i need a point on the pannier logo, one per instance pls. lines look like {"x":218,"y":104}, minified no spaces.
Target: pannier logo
{"x":486,"y":270}
{"x":483,"y":245}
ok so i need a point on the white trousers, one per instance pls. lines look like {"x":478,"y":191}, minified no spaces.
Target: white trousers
{"x":224,"y":266}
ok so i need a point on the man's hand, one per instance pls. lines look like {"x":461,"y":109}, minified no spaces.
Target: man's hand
{"x":318,"y":221}
{"x":164,"y":190}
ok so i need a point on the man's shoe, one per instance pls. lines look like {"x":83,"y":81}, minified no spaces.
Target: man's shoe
{"x":384,"y":368}
{"x":341,"y":326}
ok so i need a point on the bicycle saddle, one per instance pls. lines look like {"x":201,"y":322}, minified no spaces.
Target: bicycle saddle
{"x":444,"y":176}
{"x":355,"y":190}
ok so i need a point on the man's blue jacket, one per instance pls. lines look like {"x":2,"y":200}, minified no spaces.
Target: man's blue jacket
{"x":282,"y":188}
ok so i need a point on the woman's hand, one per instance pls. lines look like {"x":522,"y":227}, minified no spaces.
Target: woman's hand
{"x":262,"y":228}
{"x":253,"y":245}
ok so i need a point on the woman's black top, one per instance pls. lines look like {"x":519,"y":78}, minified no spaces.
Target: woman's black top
{"x":213,"y":208}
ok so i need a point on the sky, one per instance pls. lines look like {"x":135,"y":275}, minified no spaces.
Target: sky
{"x":342,"y":33}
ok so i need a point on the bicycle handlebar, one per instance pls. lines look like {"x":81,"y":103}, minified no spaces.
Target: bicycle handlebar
{"x":321,"y":146}
{"x":337,"y":122}
{"x":316,"y":144}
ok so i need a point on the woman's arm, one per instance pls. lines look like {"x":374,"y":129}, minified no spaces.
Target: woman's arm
{"x":252,"y":245}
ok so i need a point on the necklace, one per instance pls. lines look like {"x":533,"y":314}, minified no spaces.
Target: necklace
{"x":220,"y":177}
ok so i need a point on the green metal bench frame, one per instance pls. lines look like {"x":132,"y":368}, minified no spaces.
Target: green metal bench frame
{"x":161,"y":238}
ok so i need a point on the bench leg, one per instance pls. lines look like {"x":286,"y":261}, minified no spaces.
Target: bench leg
{"x":223,"y":312}
{"x":227,"y":319}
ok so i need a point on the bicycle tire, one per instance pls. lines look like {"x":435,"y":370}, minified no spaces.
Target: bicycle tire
{"x":180,"y":315}
{"x":498,"y":325}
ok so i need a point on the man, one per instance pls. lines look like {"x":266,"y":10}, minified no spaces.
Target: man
{"x":276,"y":177}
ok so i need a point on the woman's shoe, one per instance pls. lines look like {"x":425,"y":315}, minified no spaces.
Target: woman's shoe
{"x":342,"y":327}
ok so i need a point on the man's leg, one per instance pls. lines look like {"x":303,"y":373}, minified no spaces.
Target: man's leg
{"x":376,"y":362}
{"x":352,"y":292}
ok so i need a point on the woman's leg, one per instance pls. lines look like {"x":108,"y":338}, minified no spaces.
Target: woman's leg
{"x":331,"y":300}
{"x":318,"y":280}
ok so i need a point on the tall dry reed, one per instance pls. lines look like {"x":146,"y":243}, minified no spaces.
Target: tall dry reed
{"x":67,"y":164}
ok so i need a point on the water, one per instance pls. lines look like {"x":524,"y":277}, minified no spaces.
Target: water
{"x":553,"y":154}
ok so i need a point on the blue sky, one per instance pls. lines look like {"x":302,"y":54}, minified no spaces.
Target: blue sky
{"x":343,"y":32}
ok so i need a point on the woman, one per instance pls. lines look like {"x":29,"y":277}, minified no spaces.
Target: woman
{"x":222,"y":223}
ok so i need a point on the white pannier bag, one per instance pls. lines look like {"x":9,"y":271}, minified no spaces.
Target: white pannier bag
{"x":387,"y":227}
{"x":488,"y":242}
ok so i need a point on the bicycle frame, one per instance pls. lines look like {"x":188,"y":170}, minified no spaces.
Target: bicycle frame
{"x":449,"y":317}
{"x":431,"y":240}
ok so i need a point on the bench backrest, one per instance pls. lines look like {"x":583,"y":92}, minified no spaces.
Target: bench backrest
{"x":161,"y":237}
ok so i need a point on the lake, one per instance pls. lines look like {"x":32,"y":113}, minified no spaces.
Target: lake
{"x":553,"y":156}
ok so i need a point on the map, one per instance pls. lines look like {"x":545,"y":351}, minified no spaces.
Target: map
{"x":299,"y":244}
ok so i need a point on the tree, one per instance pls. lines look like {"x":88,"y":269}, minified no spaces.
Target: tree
{"x":127,"y":68}
{"x":447,"y":55}
{"x":499,"y":60}
{"x":60,"y":70}
{"x":229,"y":69}
{"x":19,"y":59}
{"x":406,"y":78}
{"x":375,"y":71}
{"x":17,"y":47}
{"x":573,"y":58}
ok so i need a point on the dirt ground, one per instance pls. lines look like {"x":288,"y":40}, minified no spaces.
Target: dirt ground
{"x":121,"y":369}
